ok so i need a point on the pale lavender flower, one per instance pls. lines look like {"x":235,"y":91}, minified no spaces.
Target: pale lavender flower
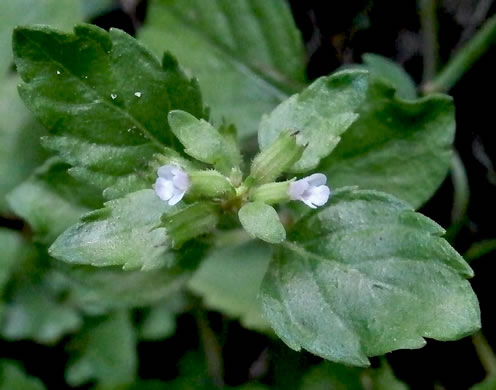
{"x":172,"y":183}
{"x":311,"y":190}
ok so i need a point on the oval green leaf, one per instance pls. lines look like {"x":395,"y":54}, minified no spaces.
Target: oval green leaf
{"x":365,"y":276}
{"x":262,"y":221}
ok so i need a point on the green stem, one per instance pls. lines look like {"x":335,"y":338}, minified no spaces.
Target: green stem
{"x":211,"y":348}
{"x":463,"y":60}
{"x":461,"y":196}
{"x":485,"y":353}
{"x":480,"y":249}
{"x":462,"y":190}
{"x":428,"y":22}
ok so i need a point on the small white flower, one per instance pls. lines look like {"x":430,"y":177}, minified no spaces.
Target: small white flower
{"x":171,"y":184}
{"x":311,"y":190}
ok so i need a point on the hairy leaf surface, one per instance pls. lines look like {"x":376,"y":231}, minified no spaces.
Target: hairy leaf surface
{"x":402,"y":147}
{"x":365,"y":276}
{"x":125,"y":232}
{"x":261,"y":220}
{"x":104,"y":98}
{"x":321,"y":113}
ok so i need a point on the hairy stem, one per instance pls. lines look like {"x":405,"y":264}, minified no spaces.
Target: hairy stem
{"x":463,"y":60}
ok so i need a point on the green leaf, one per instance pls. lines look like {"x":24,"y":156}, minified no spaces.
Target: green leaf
{"x":487,"y":384}
{"x":94,"y":8}
{"x":34,"y":301}
{"x":51,"y":200}
{"x":479,"y":249}
{"x":37,"y":309}
{"x":19,"y":136}
{"x":246,"y":54}
{"x":229,"y":280}
{"x":139,"y":385}
{"x":13,"y":247}
{"x":321,"y":113}
{"x":202,"y":141}
{"x":12,"y":377}
{"x":396,"y":146}
{"x":383,"y":378}
{"x":365,"y":276}
{"x":105,"y":99}
{"x":19,"y":133}
{"x":105,"y":351}
{"x":193,"y":375}
{"x":333,"y":376}
{"x":100,"y":290}
{"x":125,"y":232}
{"x":159,"y":324}
{"x":392,"y":73}
{"x":58,"y":13}
{"x":262,"y":221}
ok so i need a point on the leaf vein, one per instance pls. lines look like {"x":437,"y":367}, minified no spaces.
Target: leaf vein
{"x":101,"y":99}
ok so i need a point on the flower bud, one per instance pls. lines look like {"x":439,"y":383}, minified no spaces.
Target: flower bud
{"x":276,"y":159}
{"x":210,"y":184}
{"x":194,"y":220}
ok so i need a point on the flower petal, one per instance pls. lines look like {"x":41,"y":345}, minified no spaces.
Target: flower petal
{"x":166,"y":171}
{"x":181,"y":180}
{"x":319,"y":195}
{"x":317,"y":179}
{"x":164,"y":188}
{"x":176,"y":198}
{"x":297,"y":189}
{"x":309,"y":203}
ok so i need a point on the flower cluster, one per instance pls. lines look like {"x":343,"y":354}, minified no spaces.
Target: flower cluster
{"x":173,"y":183}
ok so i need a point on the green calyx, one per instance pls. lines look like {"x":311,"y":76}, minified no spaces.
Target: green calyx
{"x":276,"y":159}
{"x":190,"y":222}
{"x":271,"y":193}
{"x":210,"y":184}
